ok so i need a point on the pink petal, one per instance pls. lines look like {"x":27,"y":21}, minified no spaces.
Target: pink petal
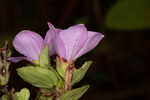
{"x":16,"y":59}
{"x":60,"y":47}
{"x":50,"y":38}
{"x":73,"y":40}
{"x":29,"y":44}
{"x":93,"y":39}
{"x":52,"y":26}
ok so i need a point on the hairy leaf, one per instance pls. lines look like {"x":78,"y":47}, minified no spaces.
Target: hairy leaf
{"x":38,"y":76}
{"x":74,"y":94}
{"x":79,"y":74}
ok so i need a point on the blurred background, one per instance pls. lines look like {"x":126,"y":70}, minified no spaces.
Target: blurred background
{"x":121,"y":67}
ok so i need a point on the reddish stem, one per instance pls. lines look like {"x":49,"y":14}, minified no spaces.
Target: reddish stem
{"x":68,"y":77}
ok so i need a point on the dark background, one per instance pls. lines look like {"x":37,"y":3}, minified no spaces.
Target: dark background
{"x":121,"y":61}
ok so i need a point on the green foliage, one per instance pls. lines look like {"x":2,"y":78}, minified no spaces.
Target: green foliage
{"x":4,"y":97}
{"x":79,"y":74}
{"x":5,"y":78}
{"x":5,"y":53}
{"x":24,"y":94}
{"x":61,"y":66}
{"x":74,"y":94}
{"x":44,"y":57}
{"x":38,"y":76}
{"x":45,"y":98}
{"x":129,"y":15}
{"x":60,"y":83}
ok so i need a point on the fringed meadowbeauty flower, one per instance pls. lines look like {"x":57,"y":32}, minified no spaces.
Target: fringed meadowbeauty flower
{"x":75,"y":41}
{"x":69,"y":44}
{"x":30,"y":44}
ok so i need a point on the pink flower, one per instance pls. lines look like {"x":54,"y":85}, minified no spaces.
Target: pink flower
{"x":75,"y":41}
{"x":69,"y":44}
{"x":30,"y":44}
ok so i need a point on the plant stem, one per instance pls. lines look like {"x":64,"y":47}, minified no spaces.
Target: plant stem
{"x":68,"y":77}
{"x":38,"y":95}
{"x":57,"y":98}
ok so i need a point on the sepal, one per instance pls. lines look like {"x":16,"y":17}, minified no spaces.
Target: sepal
{"x":74,"y":94}
{"x":61,"y":66}
{"x":79,"y":74}
{"x":44,"y":57}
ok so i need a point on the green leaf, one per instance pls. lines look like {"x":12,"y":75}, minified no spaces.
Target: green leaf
{"x":74,"y":94}
{"x":79,"y":74}
{"x":38,"y":76}
{"x":45,"y":98}
{"x":129,"y":15}
{"x":60,"y":83}
{"x":44,"y":57}
{"x":24,"y":94}
{"x":61,"y":66}
{"x":4,"y":97}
